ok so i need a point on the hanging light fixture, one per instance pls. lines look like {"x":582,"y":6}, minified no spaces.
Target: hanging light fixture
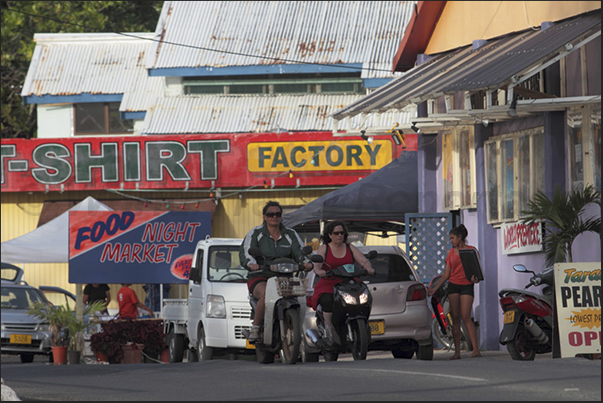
{"x":415,"y":128}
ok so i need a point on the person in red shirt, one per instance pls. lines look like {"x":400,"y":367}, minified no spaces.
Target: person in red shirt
{"x":129,"y":303}
{"x":460,"y":292}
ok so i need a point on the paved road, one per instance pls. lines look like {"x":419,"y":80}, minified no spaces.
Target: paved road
{"x":493,"y":377}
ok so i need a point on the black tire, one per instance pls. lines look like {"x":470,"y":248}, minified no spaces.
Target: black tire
{"x":306,"y":355}
{"x":292,"y":337}
{"x":176,"y":346}
{"x":402,"y":353}
{"x":263,"y":356}
{"x":331,"y":356}
{"x":425,"y":352}
{"x":519,"y":348}
{"x":447,"y":340}
{"x":26,"y":357}
{"x":204,"y":352}
{"x":360,"y":338}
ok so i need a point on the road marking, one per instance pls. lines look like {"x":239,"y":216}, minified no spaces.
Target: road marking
{"x":466,"y":378}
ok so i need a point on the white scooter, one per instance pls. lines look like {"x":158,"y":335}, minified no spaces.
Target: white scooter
{"x":281,"y":330}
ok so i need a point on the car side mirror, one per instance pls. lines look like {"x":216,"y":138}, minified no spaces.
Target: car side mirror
{"x":371,"y":255}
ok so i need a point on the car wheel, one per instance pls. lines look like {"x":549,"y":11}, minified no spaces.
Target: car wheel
{"x":306,"y":355}
{"x":26,"y":357}
{"x":425,"y":352}
{"x":399,"y":352}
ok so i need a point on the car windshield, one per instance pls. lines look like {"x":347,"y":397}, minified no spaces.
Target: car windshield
{"x":389,"y":268}
{"x":19,"y":298}
{"x":224,"y":265}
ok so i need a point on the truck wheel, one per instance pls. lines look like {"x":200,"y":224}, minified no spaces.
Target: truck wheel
{"x":176,"y":346}
{"x":205,"y":353}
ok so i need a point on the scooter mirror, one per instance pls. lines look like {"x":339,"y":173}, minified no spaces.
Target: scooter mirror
{"x":255,"y":252}
{"x":306,"y":250}
{"x":316,"y":258}
{"x":520,"y":268}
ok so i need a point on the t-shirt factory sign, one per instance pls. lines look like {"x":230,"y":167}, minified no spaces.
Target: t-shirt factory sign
{"x":193,"y":161}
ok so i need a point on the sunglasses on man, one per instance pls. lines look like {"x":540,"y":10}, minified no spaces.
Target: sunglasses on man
{"x":271,"y":214}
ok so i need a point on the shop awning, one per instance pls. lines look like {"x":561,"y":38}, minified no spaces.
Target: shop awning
{"x":501,"y":63}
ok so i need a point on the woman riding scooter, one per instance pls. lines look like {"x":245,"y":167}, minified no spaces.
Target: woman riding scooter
{"x":274,"y":240}
{"x":336,"y":251}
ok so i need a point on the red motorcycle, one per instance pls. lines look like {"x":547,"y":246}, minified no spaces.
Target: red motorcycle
{"x":442,"y":320}
{"x":528,"y":321}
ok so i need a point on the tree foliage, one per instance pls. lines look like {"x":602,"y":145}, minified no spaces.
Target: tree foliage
{"x":563,"y":220}
{"x":22,"y":19}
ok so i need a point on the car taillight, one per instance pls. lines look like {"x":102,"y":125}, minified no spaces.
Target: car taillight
{"x":416,"y":293}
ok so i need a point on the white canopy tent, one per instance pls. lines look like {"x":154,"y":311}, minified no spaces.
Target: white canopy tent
{"x":48,"y":243}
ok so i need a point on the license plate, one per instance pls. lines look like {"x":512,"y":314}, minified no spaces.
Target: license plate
{"x":20,"y":338}
{"x":509,"y":317}
{"x":248,"y":345}
{"x":377,"y":327}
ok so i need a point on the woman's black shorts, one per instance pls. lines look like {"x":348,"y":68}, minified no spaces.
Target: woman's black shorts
{"x":460,"y":289}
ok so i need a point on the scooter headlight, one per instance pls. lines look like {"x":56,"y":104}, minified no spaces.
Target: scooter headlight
{"x":348,"y":298}
{"x":364,"y":297}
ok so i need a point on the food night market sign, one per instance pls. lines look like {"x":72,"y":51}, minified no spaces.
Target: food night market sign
{"x":134,"y":246}
{"x":578,"y":296}
{"x":193,"y":161}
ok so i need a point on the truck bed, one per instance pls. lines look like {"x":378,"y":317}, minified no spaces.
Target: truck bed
{"x":175,"y":310}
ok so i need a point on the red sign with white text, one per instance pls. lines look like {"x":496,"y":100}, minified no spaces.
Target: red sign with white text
{"x":194,"y":161}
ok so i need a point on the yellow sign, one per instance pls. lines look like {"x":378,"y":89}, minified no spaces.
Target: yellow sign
{"x":319,"y":155}
{"x":578,"y":296}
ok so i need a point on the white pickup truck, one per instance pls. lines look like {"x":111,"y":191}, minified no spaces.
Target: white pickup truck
{"x":211,"y":321}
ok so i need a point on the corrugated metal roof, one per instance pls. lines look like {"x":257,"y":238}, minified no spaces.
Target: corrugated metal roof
{"x":250,"y":113}
{"x":100,"y":63}
{"x":292,"y":32}
{"x":490,"y":67}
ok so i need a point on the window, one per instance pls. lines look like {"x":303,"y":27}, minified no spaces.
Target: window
{"x":514,"y":166}
{"x":458,"y":168}
{"x":101,"y":118}
{"x":276,"y":84}
{"x":584,"y":146}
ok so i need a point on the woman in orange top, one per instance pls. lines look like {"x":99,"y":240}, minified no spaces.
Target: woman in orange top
{"x":460,"y":292}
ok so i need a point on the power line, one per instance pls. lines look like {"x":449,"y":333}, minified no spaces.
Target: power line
{"x":201,"y":47}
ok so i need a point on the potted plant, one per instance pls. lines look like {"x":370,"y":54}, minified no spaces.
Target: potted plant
{"x":57,"y":318}
{"x":563,"y":221}
{"x":76,"y":330}
{"x":154,"y":340}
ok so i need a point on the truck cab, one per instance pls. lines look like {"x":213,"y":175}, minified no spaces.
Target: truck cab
{"x":218,"y":306}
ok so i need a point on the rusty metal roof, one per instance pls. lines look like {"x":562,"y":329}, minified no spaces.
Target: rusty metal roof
{"x":230,"y":33}
{"x":191,"y":114}
{"x":96,"y":64}
{"x":502,"y":61}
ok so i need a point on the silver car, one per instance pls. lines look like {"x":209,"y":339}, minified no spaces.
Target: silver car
{"x":23,"y":334}
{"x":400,"y":319}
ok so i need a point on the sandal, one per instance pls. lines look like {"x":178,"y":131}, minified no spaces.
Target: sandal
{"x":454,"y":357}
{"x":475,"y":355}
